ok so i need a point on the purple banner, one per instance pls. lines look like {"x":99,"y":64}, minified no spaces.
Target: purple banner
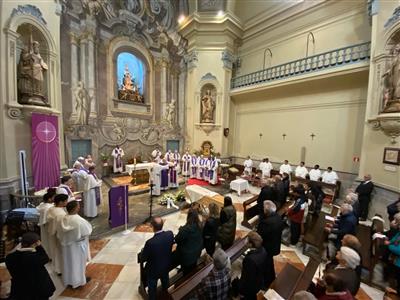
{"x":45,"y":151}
{"x":117,"y":200}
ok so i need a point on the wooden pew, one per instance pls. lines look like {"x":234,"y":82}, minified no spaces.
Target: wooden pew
{"x":291,"y":280}
{"x":182,"y":288}
{"x":316,"y":235}
{"x":331,"y":190}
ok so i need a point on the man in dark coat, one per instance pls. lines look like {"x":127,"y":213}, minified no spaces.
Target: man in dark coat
{"x":364,"y":191}
{"x":29,"y":277}
{"x":270,"y":229}
{"x":157,"y":254}
{"x":345,"y":224}
{"x":227,"y":230}
{"x":280,"y":192}
{"x":253,"y":268}
{"x":267,"y":193}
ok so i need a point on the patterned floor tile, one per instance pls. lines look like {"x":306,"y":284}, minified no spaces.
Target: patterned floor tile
{"x":97,"y":245}
{"x":143,"y":228}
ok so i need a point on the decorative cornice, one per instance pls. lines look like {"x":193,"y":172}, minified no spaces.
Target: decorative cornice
{"x":208,"y":76}
{"x":191,"y":60}
{"x":394,"y":18}
{"x":228,"y":59}
{"x":29,"y":10}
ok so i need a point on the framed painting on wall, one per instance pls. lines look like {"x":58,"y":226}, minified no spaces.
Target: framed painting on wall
{"x":391,"y":156}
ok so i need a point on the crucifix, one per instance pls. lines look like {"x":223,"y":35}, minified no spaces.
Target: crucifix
{"x":284,"y":136}
{"x":260,"y":135}
{"x":312,"y":136}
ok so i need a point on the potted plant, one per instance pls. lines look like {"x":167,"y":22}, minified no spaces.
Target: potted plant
{"x":104,"y":158}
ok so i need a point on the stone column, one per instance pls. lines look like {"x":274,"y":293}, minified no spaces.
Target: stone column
{"x":83,"y":61}
{"x":91,"y":76}
{"x":181,"y":94}
{"x":163,"y":83}
{"x":74,"y":70}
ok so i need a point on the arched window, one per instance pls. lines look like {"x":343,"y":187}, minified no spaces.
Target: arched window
{"x":131,"y":77}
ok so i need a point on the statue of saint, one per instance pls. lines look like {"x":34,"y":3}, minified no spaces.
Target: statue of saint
{"x":82,"y":104}
{"x":30,"y":75}
{"x":391,"y":80}
{"x":129,"y":90}
{"x":208,"y":106}
{"x":170,"y":113}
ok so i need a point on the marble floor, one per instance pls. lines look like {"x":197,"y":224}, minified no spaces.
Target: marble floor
{"x":115,"y":271}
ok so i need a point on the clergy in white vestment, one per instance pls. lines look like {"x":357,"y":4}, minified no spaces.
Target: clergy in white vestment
{"x":285,"y":168}
{"x":301,"y":170}
{"x":201,"y":166}
{"x":329,"y":176}
{"x":173,"y":174}
{"x":177,"y":159}
{"x":156,"y":155}
{"x":66,"y":185}
{"x":315,"y":174}
{"x":73,"y":233}
{"x":43,"y":209}
{"x":265,"y":167}
{"x":193,"y":166}
{"x":90,"y":196}
{"x":118,"y":153}
{"x":206,"y":169}
{"x":212,"y":173}
{"x":186,"y":164}
{"x":155,"y":176}
{"x":80,"y":160}
{"x":54,"y":216}
{"x":169,"y":155}
{"x":248,"y":166}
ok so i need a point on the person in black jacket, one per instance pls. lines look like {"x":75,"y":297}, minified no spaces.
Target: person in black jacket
{"x":29,"y":277}
{"x":253,"y":268}
{"x":286,"y":185}
{"x":210,"y":229}
{"x":270,"y":229}
{"x":345,"y":224}
{"x":157,"y":254}
{"x":267,"y":193}
{"x":189,"y":242}
{"x":364,"y":191}
{"x":280,"y":191}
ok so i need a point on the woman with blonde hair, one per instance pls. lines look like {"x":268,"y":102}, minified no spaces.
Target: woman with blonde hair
{"x":211,"y":228}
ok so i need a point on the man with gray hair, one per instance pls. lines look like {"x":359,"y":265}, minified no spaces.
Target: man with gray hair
{"x":364,"y":191}
{"x":270,"y":229}
{"x":345,"y":224}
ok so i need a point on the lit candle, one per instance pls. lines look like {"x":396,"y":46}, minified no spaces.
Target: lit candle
{"x":134,"y":161}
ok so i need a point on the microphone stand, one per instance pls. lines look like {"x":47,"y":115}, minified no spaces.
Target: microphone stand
{"x":151,"y":202}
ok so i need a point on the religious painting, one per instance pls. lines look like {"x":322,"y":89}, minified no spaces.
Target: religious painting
{"x":391,"y":156}
{"x":208,"y":103}
{"x":206,"y":148}
{"x":131,"y":77}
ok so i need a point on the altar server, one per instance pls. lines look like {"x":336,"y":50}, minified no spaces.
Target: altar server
{"x":173,"y":174}
{"x":265,"y":167}
{"x":90,"y":196}
{"x":186,"y":164}
{"x":73,"y":233}
{"x":329,"y":176}
{"x":285,"y":168}
{"x":301,"y":170}
{"x":156,"y":177}
{"x":201,"y":165}
{"x":315,"y":174}
{"x":193,"y":166}
{"x":248,"y":166}
{"x":65,"y":187}
{"x":43,"y":209}
{"x":212,"y":173}
{"x":118,"y":153}
{"x":54,"y":216}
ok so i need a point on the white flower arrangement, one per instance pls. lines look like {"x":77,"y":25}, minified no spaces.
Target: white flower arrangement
{"x":164,"y":199}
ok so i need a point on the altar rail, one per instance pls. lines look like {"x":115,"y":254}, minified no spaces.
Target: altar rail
{"x":327,"y":60}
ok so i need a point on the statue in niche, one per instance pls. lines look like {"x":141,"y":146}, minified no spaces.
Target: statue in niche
{"x":391,"y":84}
{"x":31,"y":67}
{"x":207,"y":108}
{"x":94,"y":7}
{"x":129,"y":90}
{"x":170,"y":113}
{"x":82,"y":104}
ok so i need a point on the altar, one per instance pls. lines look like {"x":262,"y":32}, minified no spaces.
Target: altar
{"x":140,"y":172}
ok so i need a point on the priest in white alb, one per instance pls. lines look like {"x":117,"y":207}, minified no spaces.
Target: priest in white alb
{"x":73,"y":233}
{"x":329,"y":176}
{"x":43,"y":209}
{"x":315,"y":174}
{"x":155,"y":177}
{"x":201,"y":165}
{"x":285,"y":168}
{"x":265,"y":167}
{"x":212,"y":173}
{"x":186,"y":164}
{"x":301,"y":170}
{"x":54,"y":216}
{"x":207,"y":169}
{"x":89,"y":196}
{"x":193,"y":166}
{"x":248,"y":166}
{"x":118,"y":153}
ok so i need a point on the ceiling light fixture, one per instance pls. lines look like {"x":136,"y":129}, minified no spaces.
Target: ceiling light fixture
{"x":181,"y":19}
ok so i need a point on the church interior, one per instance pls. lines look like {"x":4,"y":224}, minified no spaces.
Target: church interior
{"x":136,"y":110}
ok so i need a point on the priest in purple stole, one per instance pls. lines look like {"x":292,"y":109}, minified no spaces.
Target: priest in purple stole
{"x":173,"y":180}
{"x":212,"y":173}
{"x":193,"y":166}
{"x":200,"y":167}
{"x":186,"y":164}
{"x":164,"y":176}
{"x":207,"y":169}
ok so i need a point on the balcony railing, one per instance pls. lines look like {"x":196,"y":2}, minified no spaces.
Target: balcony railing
{"x":332,"y":59}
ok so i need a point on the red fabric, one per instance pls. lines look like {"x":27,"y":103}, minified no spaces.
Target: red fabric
{"x":193,"y":181}
{"x":345,"y":296}
{"x":296,"y":217}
